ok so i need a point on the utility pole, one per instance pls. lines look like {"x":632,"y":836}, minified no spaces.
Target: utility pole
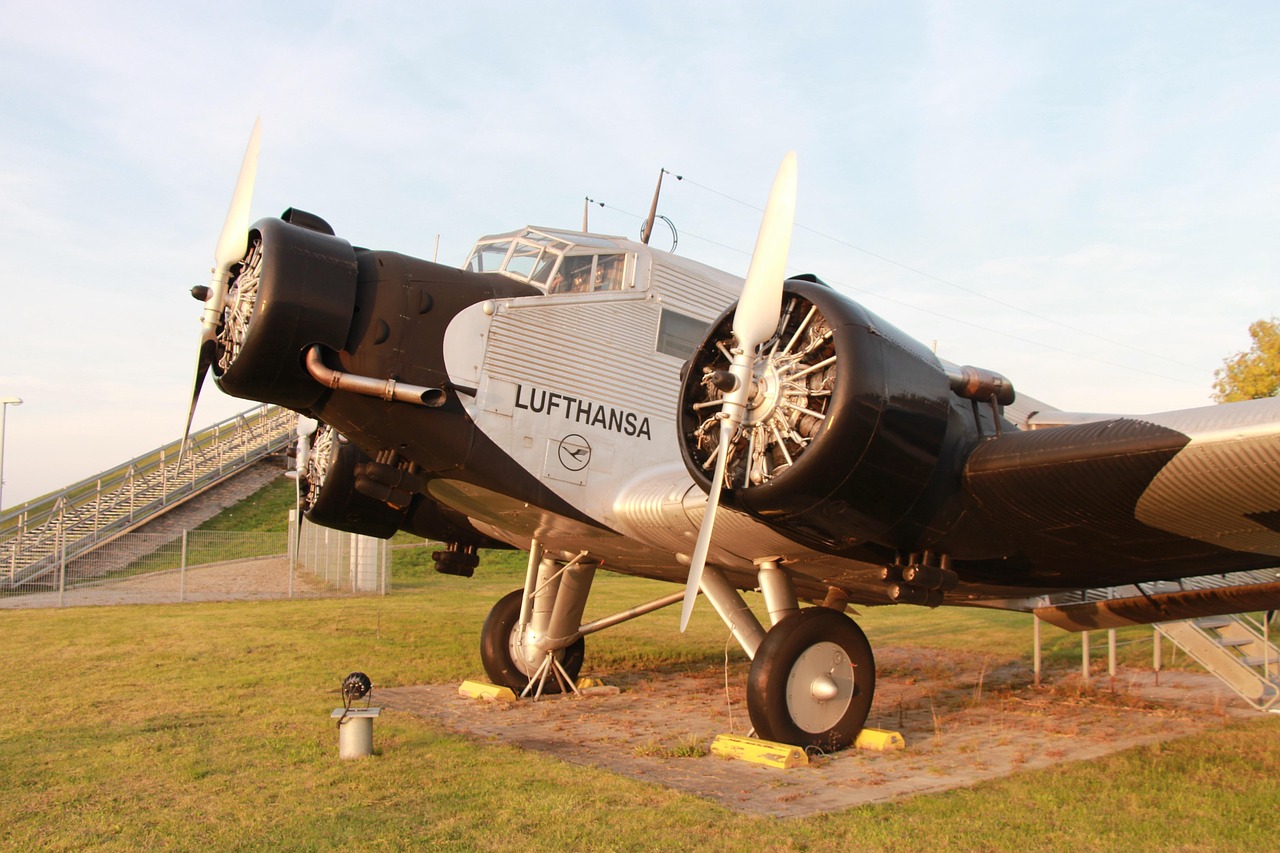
{"x":5,"y":403}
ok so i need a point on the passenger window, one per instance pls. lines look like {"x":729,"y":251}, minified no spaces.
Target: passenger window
{"x":679,"y":334}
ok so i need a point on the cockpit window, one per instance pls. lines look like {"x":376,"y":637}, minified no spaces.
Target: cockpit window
{"x":561,"y":264}
{"x":489,"y":257}
{"x":524,"y":260}
{"x":590,"y":273}
{"x":610,"y":271}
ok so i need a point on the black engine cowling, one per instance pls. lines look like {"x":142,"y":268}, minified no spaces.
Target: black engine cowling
{"x":845,"y":429}
{"x":332,"y":498}
{"x":295,"y":287}
{"x":345,"y":489}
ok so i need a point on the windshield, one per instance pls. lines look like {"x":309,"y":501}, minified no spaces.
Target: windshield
{"x":554,"y":263}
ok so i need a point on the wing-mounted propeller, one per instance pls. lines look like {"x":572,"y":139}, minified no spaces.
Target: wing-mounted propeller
{"x":230,"y":249}
{"x":754,"y":322}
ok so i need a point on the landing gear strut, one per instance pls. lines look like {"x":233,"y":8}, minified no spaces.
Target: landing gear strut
{"x":506,"y":654}
{"x":536,"y":633}
{"x":812,"y":674}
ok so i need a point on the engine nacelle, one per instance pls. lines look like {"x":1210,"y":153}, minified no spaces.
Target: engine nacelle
{"x":295,"y":287}
{"x":332,"y":498}
{"x":844,"y":430}
{"x":345,"y":489}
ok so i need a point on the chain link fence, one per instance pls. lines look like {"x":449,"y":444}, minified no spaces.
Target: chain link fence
{"x":201,"y":565}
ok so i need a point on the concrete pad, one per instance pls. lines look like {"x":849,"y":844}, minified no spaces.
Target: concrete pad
{"x":963,"y":723}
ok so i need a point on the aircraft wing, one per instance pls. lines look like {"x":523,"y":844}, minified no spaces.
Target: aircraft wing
{"x":1136,"y":498}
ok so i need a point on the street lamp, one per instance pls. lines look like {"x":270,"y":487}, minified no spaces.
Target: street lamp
{"x":5,"y":403}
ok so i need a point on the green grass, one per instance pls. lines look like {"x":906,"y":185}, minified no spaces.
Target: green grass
{"x":265,"y":511}
{"x":206,"y":727}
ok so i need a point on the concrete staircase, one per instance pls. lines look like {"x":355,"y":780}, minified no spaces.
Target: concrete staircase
{"x":38,"y":537}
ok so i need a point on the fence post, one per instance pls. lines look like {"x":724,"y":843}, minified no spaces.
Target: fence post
{"x":182,"y":571}
{"x":62,"y":563}
{"x":386,"y":559}
{"x":295,"y":530}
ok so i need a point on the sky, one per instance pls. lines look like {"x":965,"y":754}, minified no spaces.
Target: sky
{"x":1082,"y":196}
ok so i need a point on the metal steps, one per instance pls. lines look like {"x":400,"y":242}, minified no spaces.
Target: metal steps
{"x":39,"y":536}
{"x":1237,"y":649}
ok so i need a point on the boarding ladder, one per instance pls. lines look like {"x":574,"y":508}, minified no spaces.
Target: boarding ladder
{"x":38,"y":536}
{"x":1237,"y":649}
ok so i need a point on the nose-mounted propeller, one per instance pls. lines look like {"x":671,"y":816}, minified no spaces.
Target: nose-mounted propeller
{"x":754,"y":323}
{"x":232,"y":244}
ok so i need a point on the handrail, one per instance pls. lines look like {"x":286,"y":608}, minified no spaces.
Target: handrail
{"x":37,"y":534}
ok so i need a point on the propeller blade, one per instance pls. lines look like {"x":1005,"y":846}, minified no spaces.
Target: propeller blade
{"x":699,"y":561}
{"x":758,"y":310}
{"x":231,"y":246}
{"x":234,"y":238}
{"x":203,"y":361}
{"x":754,"y":321}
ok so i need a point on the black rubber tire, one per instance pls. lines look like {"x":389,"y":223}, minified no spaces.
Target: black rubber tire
{"x":495,"y":648}
{"x":771,"y":673}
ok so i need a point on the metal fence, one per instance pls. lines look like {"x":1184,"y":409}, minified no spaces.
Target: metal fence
{"x":37,"y":537}
{"x":201,"y":565}
{"x":342,"y":561}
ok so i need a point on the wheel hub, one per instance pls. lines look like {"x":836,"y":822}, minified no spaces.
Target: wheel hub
{"x":820,"y":687}
{"x":824,"y":688}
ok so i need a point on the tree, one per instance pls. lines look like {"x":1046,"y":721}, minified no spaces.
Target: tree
{"x":1254,"y":374}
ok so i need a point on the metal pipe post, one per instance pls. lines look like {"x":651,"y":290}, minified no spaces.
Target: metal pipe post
{"x":1084,"y":653}
{"x":1035,"y":638}
{"x":1111,"y":655}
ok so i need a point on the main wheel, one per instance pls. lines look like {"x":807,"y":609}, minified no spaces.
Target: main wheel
{"x":501,"y":653}
{"x":812,"y":680}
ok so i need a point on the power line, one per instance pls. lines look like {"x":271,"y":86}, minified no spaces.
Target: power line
{"x":978,"y":326}
{"x":960,"y":287}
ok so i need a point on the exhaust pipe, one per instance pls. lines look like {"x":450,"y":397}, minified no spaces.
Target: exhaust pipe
{"x":387,"y":389}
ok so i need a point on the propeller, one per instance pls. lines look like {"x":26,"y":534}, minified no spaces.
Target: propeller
{"x":232,"y":243}
{"x":754,"y":322}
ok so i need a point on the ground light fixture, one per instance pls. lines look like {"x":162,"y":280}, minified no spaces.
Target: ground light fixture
{"x":355,"y":726}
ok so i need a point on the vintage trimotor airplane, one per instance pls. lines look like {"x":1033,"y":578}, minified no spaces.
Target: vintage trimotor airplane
{"x":606,"y":405}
